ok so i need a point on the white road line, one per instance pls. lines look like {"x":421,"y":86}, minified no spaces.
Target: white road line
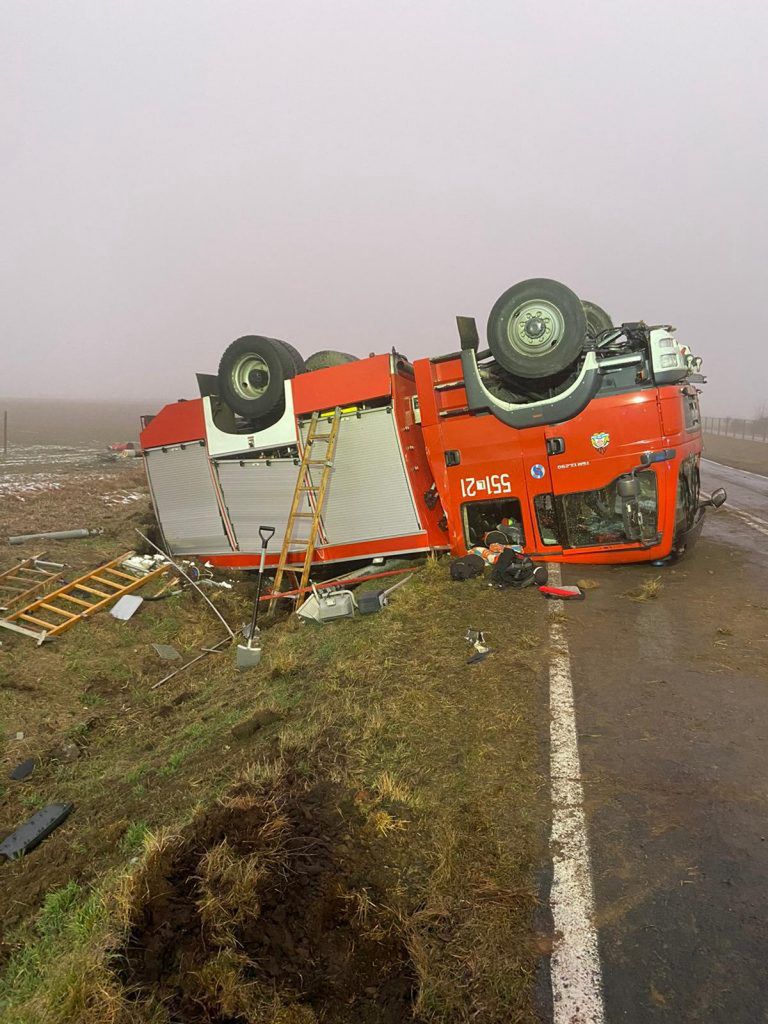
{"x":761,"y":525}
{"x":577,"y":986}
{"x":754,"y":521}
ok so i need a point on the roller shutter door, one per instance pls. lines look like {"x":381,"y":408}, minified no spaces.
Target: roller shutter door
{"x":185,"y":500}
{"x":368,"y":494}
{"x":257,"y":493}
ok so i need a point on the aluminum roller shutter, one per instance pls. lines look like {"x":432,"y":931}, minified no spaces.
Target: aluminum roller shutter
{"x":185,"y":500}
{"x":368,"y":494}
{"x":257,"y":494}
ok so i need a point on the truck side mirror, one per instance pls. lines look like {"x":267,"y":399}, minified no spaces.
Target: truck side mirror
{"x":717,"y":498}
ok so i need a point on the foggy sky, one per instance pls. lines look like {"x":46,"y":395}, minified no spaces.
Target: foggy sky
{"x":354,"y":174}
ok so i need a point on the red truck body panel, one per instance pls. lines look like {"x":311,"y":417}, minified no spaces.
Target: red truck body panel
{"x":453,"y":458}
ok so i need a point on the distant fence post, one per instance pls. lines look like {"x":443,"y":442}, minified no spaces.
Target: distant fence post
{"x":5,"y":434}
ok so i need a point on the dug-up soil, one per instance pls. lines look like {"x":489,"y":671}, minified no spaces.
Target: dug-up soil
{"x":272,"y":906}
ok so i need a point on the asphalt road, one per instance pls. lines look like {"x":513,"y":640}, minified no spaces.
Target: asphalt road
{"x":671,"y":699}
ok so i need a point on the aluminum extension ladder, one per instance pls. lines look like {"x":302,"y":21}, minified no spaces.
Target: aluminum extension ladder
{"x":316,"y":499}
{"x":65,"y":607}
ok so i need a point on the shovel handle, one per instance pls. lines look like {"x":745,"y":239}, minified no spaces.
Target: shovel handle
{"x":266,"y":533}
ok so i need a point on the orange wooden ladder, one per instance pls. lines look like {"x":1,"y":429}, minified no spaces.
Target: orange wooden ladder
{"x":316,"y":498}
{"x":63,"y":608}
{"x":20,"y":582}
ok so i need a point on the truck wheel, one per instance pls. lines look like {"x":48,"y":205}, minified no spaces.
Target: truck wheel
{"x":537,"y":328}
{"x":329,"y":357}
{"x":295,"y":360}
{"x":252,"y":372}
{"x":597,"y":319}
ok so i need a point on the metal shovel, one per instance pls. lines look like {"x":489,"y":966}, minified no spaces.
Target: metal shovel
{"x":249,"y":656}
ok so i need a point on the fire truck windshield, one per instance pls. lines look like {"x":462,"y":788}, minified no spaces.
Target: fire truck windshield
{"x":594,"y":518}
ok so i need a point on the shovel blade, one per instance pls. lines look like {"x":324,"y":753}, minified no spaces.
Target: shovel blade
{"x":248,"y":657}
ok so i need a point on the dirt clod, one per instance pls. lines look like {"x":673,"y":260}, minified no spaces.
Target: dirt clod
{"x":258,"y":721}
{"x":270,"y":908}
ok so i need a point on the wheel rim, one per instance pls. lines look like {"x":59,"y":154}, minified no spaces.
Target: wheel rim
{"x":250,"y":376}
{"x":535,"y":328}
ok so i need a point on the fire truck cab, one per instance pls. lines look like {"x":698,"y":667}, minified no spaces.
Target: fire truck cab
{"x":581,"y":438}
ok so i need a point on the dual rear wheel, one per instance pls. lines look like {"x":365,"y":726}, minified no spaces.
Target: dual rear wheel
{"x":254,"y":369}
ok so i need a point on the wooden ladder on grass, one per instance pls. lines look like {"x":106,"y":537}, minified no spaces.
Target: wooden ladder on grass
{"x":63,"y":608}
{"x":316,"y":499}
{"x":19,"y":583}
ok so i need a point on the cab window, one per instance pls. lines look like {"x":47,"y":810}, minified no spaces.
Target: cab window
{"x":595,"y":517}
{"x":546,"y":517}
{"x":481,"y":517}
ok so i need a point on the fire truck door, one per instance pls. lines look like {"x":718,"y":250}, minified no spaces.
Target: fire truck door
{"x":538,"y":472}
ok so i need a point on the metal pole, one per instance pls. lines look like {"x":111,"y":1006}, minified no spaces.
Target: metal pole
{"x":5,"y":434}
{"x":179,"y":569}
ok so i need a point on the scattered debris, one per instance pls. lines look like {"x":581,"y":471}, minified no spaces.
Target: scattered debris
{"x":19,"y":735}
{"x":467,"y":568}
{"x":562,"y":593}
{"x":126,"y":607}
{"x":514,"y":569}
{"x":23,"y":771}
{"x":166,"y":652}
{"x":33,"y":832}
{"x":476,"y":637}
{"x":371,"y":601}
{"x":77,"y":600}
{"x":649,"y":590}
{"x":56,"y":535}
{"x":327,"y":606}
{"x":19,"y":583}
{"x":189,"y":580}
{"x":587,"y":584}
{"x":206,"y":651}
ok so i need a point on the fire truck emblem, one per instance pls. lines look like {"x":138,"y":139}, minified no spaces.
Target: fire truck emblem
{"x":537,"y":471}
{"x":600,"y":441}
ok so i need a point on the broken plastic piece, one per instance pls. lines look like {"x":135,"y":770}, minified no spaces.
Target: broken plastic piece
{"x":166,"y":652}
{"x":562,"y":593}
{"x":33,"y":832}
{"x":481,"y":653}
{"x":22,"y":771}
{"x":474,"y":636}
{"x":126,"y":607}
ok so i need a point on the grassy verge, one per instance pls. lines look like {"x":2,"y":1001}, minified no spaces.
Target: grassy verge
{"x":431,"y":766}
{"x":741,"y":454}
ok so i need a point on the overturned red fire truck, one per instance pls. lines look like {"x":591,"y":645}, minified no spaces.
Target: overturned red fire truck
{"x":582,"y":439}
